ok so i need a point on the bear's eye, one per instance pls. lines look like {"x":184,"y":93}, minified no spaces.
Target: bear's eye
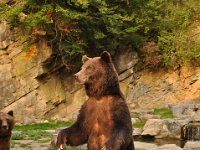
{"x":89,"y":67}
{"x":8,"y":120}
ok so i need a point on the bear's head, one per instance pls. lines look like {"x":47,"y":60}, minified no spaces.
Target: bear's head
{"x":99,"y":75}
{"x":6,"y":122}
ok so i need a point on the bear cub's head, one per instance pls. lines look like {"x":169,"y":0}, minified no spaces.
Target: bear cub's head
{"x":6,"y":122}
{"x":99,"y":75}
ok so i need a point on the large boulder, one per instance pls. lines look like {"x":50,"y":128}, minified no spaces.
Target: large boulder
{"x":164,"y":128}
{"x":156,"y":128}
{"x":184,"y":108}
{"x":174,"y":127}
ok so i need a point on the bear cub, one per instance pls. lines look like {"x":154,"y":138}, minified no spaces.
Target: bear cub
{"x":6,"y":126}
{"x":104,"y":121}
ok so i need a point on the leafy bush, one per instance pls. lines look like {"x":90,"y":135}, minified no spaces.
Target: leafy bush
{"x":86,"y":26}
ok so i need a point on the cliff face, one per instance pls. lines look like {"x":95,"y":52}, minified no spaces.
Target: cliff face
{"x":158,"y":89}
{"x":33,"y":84}
{"x":36,"y":86}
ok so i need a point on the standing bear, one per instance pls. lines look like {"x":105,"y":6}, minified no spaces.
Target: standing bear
{"x":104,"y":121}
{"x":6,"y":126}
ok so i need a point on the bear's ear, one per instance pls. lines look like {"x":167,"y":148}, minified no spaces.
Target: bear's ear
{"x":10,"y":113}
{"x":85,"y":58}
{"x":105,"y":56}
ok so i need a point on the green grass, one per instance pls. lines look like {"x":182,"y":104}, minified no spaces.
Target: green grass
{"x":25,"y":146}
{"x":139,"y":124}
{"x":18,"y":136}
{"x":43,"y":126}
{"x":37,"y":131}
{"x":163,"y":112}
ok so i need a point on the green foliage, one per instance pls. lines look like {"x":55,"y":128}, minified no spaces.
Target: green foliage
{"x":176,"y":41}
{"x":163,"y":112}
{"x":10,"y":13}
{"x":76,"y":27}
{"x":139,"y":124}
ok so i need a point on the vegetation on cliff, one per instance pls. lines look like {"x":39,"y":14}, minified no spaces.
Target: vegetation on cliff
{"x":161,"y":31}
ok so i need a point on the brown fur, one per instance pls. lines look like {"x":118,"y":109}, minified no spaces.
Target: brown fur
{"x":104,"y":120}
{"x":6,"y":126}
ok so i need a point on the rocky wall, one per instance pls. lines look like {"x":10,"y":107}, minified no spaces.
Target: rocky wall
{"x":37,"y":87}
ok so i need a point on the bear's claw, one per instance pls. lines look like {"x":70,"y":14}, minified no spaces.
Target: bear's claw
{"x":61,"y":147}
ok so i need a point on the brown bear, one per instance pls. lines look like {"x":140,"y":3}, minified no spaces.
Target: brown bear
{"x":104,"y":121}
{"x":6,"y":126}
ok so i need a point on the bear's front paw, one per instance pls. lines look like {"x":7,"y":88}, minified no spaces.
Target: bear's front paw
{"x":61,"y":147}
{"x":109,"y":146}
{"x":61,"y":139}
{"x":103,"y":148}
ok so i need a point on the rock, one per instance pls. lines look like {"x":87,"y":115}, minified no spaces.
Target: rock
{"x":196,"y":116}
{"x":185,"y":108}
{"x":137,"y":131}
{"x":185,"y":117}
{"x":125,"y":74}
{"x":142,"y":111}
{"x":167,"y":147}
{"x":132,"y":106}
{"x":164,"y":133}
{"x":191,"y":131}
{"x":5,"y":35}
{"x":164,"y":128}
{"x":7,"y":87}
{"x":153,"y":127}
{"x":174,"y":127}
{"x":177,"y":110}
{"x":144,"y":146}
{"x":191,"y":145}
{"x":158,"y":89}
{"x":150,"y":116}
{"x":125,"y":59}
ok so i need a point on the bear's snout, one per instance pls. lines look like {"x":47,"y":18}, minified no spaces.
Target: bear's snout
{"x":80,"y":77}
{"x":4,"y":127}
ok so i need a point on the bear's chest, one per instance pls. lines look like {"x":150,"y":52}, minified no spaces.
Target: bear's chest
{"x":99,"y":115}
{"x":99,"y":121}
